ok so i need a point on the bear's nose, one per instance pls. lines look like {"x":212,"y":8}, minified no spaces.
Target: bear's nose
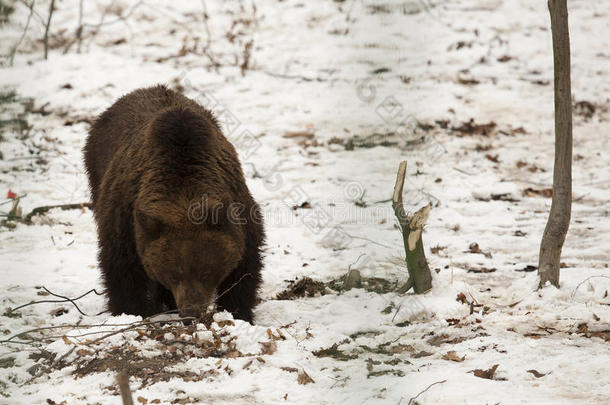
{"x":190,"y":311}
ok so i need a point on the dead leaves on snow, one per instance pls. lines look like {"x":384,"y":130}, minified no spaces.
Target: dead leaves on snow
{"x":153,"y":351}
{"x":545,"y":192}
{"x":302,"y":377}
{"x":536,"y":373}
{"x":453,"y":356}
{"x":304,"y":287}
{"x":474,"y":248}
{"x":444,"y":338}
{"x":472,"y":128}
{"x":487,"y":374}
{"x":268,"y":348}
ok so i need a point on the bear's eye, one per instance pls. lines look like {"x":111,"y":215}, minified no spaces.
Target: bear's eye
{"x":151,"y":226}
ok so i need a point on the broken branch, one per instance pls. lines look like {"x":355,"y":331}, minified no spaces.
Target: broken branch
{"x":44,"y":209}
{"x":411,"y":227}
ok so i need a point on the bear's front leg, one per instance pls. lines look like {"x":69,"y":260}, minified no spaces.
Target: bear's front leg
{"x":128,"y":288}
{"x":239,"y":291}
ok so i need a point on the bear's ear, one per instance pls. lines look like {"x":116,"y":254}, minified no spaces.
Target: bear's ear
{"x":151,"y":226}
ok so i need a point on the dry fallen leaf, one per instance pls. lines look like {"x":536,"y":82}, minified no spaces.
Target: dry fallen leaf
{"x":472,"y":128}
{"x":453,"y":356}
{"x":84,"y":352}
{"x":402,"y":348}
{"x":58,"y":311}
{"x":474,"y":248}
{"x":304,"y":378}
{"x":273,"y":337}
{"x":268,"y":347}
{"x":444,"y":338}
{"x":142,"y":400}
{"x":530,"y":192}
{"x":298,"y":134}
{"x":51,"y":402}
{"x":492,"y":158}
{"x":226,"y":322}
{"x":233,"y":354}
{"x":423,"y":353}
{"x":438,"y":248}
{"x":66,"y":340}
{"x":488,"y":374}
{"x":536,"y":373}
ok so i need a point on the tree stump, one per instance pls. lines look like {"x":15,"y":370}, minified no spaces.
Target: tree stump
{"x":411,"y":227}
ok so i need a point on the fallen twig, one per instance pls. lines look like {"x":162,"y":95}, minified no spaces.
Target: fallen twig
{"x":65,"y":299}
{"x":233,"y":285}
{"x":298,"y":77}
{"x":427,"y":388}
{"x":129,"y":326}
{"x":44,"y":209}
{"x":584,"y":281}
{"x":368,"y":240}
{"x":10,"y":200}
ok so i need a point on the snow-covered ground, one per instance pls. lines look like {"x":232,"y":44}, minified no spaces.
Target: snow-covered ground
{"x":367,"y":84}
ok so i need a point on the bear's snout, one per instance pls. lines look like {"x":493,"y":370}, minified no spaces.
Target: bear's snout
{"x":190,"y":311}
{"x":192,"y":298}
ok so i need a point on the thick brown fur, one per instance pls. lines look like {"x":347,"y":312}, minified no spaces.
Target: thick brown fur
{"x":176,"y":221}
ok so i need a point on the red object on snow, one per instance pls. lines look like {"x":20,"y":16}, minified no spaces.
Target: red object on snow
{"x":10,"y":194}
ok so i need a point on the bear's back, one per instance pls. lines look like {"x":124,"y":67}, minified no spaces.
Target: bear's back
{"x":125,"y":122}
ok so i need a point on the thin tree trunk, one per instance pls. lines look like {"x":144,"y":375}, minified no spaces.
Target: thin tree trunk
{"x":561,"y":206}
{"x":123,"y":381}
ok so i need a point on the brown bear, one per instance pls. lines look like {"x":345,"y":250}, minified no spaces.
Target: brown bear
{"x":177,"y":225}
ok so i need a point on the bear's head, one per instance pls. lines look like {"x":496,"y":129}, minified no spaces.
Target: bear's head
{"x":189,"y":246}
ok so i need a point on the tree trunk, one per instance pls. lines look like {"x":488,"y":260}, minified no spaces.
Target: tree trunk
{"x":561,"y":206}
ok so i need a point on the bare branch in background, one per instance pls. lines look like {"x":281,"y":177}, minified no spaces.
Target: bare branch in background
{"x":206,"y":26}
{"x":46,"y":29}
{"x":11,"y":56}
{"x":79,"y":30}
{"x":246,"y":60}
{"x":78,"y":35}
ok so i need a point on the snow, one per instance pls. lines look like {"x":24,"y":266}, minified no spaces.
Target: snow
{"x":312,"y":69}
